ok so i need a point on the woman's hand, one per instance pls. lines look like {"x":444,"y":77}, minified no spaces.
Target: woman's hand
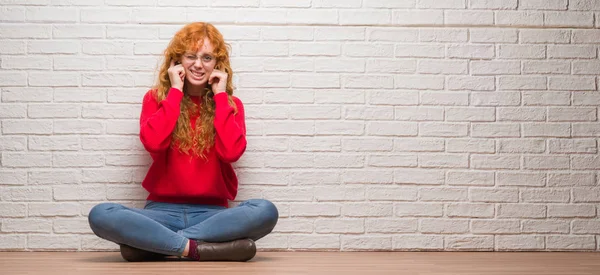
{"x":176,"y":75}
{"x":218,"y":81}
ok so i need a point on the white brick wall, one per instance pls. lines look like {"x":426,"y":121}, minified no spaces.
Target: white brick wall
{"x":373,"y":125}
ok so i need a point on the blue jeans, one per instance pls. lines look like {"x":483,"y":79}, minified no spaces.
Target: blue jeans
{"x":165,"y":228}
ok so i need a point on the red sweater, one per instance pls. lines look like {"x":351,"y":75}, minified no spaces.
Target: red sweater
{"x":179,"y":178}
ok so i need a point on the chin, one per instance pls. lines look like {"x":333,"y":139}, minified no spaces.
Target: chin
{"x":195,"y":82}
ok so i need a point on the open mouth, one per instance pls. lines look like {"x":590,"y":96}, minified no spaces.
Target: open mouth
{"x":197,"y":75}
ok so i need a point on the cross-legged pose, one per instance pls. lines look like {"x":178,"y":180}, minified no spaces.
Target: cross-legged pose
{"x":193,"y":128}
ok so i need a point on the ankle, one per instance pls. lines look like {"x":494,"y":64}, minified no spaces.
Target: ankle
{"x":192,"y":250}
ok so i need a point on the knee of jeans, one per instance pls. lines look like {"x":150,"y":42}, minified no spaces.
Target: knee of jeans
{"x":98,"y":214}
{"x":268,"y":213}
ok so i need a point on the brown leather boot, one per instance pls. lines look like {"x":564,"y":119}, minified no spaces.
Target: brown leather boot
{"x":132,"y":254}
{"x":239,"y":250}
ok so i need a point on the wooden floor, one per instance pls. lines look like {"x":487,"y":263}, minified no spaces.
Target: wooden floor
{"x":347,"y":263}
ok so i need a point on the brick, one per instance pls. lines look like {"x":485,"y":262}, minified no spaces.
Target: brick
{"x":519,"y":18}
{"x":546,"y":67}
{"x":482,"y":226}
{"x":384,"y":193}
{"x":572,"y":146}
{"x":418,"y":17}
{"x":521,"y":179}
{"x":418,"y":209}
{"x":433,"y":129}
{"x":443,"y":35}
{"x":369,"y":113}
{"x":333,"y":65}
{"x":471,"y":51}
{"x":383,"y":34}
{"x":315,"y":210}
{"x":468,"y":17}
{"x":419,"y":113}
{"x":470,"y":114}
{"x":571,"y":211}
{"x":30,"y":225}
{"x":443,"y":194}
{"x":586,"y":194}
{"x":543,"y":5}
{"x":546,"y":162}
{"x":13,"y":242}
{"x":496,"y":98}
{"x":521,"y":210}
{"x":315,"y":144}
{"x":493,"y":195}
{"x":572,"y":83}
{"x":525,"y":242}
{"x":444,"y":226}
{"x":546,"y":130}
{"x":493,"y":4}
{"x":563,"y":243}
{"x":418,"y":176}
{"x":367,"y":144}
{"x":522,"y":83}
{"x":470,"y":178}
{"x":392,"y":161}
{"x":570,"y":19}
{"x":445,"y":98}
{"x":12,"y":30}
{"x":365,"y":17}
{"x":418,"y":242}
{"x":545,"y":195}
{"x":53,"y":209}
{"x":392,"y":129}
{"x":13,"y":210}
{"x":419,"y":50}
{"x":506,"y":51}
{"x":585,"y":227}
{"x":27,"y":194}
{"x":343,"y":226}
{"x":469,"y":243}
{"x":391,"y":225}
{"x":470,"y":145}
{"x":368,"y":50}
{"x":495,"y":130}
{"x":580,"y":162}
{"x":544,"y":36}
{"x":389,"y":66}
{"x":546,"y":98}
{"x":443,"y":160}
{"x":293,"y":225}
{"x":339,"y":194}
{"x":571,"y":179}
{"x":419,"y":145}
{"x":522,"y":146}
{"x":53,"y":242}
{"x":495,"y":67}
{"x":13,"y":143}
{"x":470,"y":210}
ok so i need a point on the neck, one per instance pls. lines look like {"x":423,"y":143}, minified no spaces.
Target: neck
{"x":195,"y":90}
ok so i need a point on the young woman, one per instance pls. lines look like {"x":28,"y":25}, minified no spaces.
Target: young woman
{"x":193,"y":128}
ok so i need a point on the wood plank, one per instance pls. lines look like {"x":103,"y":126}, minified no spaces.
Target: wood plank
{"x":265,"y":263}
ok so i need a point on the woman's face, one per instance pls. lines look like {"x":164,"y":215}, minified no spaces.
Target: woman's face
{"x":199,"y":65}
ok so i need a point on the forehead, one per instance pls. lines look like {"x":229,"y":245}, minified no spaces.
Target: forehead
{"x":203,"y":46}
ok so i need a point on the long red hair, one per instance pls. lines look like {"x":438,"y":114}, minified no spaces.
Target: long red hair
{"x":189,"y":39}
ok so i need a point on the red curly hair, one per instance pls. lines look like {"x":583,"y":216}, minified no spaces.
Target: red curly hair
{"x":189,"y":39}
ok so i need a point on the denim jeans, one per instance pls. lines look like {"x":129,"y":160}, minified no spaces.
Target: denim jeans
{"x":166,"y":227}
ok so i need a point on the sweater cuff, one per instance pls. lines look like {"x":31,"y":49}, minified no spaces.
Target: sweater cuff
{"x":221,"y":98}
{"x":175,"y":94}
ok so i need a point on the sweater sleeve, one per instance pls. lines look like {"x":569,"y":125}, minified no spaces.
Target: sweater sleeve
{"x":230,"y":140}
{"x":158,"y":120}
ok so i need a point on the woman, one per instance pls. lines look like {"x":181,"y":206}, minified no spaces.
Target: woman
{"x":193,"y":129}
